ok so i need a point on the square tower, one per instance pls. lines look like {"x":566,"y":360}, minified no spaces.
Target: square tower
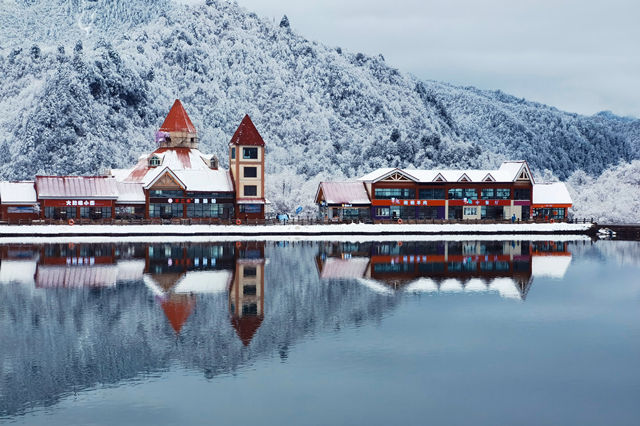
{"x":246,"y":162}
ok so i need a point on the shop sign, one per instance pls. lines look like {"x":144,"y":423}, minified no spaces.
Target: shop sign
{"x":183,"y":200}
{"x":344,"y":205}
{"x":78,"y":203}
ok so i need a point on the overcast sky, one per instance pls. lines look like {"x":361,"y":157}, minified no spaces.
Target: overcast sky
{"x":578,"y":55}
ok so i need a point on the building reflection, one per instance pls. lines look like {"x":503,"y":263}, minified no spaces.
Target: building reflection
{"x":176,"y":274}
{"x":507,"y":267}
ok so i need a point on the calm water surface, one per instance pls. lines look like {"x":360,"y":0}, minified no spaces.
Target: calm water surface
{"x":272,"y":333}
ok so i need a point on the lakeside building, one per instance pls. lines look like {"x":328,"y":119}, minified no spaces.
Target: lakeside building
{"x":176,"y":181}
{"x":508,"y":192}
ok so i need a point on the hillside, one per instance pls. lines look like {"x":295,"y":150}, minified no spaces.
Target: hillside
{"x":90,"y":97}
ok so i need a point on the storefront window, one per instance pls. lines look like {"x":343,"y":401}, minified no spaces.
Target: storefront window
{"x":250,"y":208}
{"x":431,"y":194}
{"x":522,"y":194}
{"x":382,"y":211}
{"x":456,"y":194}
{"x":503,"y":193}
{"x":488,"y":193}
{"x":165,"y":211}
{"x":164,"y":193}
{"x":388,"y":193}
{"x":470,"y":211}
{"x":471,"y":193}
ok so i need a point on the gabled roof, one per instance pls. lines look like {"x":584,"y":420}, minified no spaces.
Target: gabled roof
{"x":247,"y":134}
{"x":89,"y":187}
{"x":159,"y":172}
{"x":18,"y":193}
{"x":508,"y":172}
{"x":383,"y":173}
{"x":343,"y":193}
{"x":177,"y":120}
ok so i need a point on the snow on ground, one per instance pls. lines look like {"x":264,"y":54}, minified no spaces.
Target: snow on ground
{"x":244,"y":230}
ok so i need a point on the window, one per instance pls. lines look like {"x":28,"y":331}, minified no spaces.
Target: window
{"x":154,"y":162}
{"x":471,"y":193}
{"x":382,"y":211}
{"x":431,"y":194}
{"x":165,"y":210}
{"x":488,"y":193}
{"x":503,"y":193}
{"x":250,"y":208}
{"x":250,"y":153}
{"x":164,"y":193}
{"x":456,"y":194}
{"x":249,"y":290}
{"x":470,"y":211}
{"x":250,"y":190}
{"x":389,"y":193}
{"x":233,"y":153}
{"x":522,"y":194}
{"x":249,"y":271}
{"x":207,"y":210}
{"x":250,"y":172}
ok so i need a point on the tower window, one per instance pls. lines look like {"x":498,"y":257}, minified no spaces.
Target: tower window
{"x":250,"y":153}
{"x":250,"y":190}
{"x":250,"y":172}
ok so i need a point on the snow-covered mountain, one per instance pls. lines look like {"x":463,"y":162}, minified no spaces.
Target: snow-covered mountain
{"x":86,"y":83}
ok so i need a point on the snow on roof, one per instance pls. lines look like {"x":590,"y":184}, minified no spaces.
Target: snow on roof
{"x":189,"y":165}
{"x":247,"y":134}
{"x":344,"y":268}
{"x":96,"y":187}
{"x":48,"y":276}
{"x":374,"y":175}
{"x":507,"y":172}
{"x":210,"y":282}
{"x":18,"y":193}
{"x":130,"y":193}
{"x":177,"y":120}
{"x":550,"y":266}
{"x":207,"y":180}
{"x":18,"y":271}
{"x":344,"y":193}
{"x":551,"y":193}
{"x":130,"y":270}
{"x":506,"y":287}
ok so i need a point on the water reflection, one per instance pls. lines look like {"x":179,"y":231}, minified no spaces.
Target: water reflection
{"x":75,"y":316}
{"x":507,"y":267}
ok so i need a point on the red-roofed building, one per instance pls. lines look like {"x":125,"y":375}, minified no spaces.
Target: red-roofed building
{"x":176,"y":181}
{"x":246,"y":161}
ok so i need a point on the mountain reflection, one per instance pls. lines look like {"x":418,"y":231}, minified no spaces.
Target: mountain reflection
{"x":74,"y":316}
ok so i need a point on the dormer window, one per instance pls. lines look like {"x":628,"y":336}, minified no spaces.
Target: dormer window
{"x":213,"y":163}
{"x":154,"y":161}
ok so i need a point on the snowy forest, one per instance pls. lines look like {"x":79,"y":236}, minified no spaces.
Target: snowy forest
{"x":85,"y":84}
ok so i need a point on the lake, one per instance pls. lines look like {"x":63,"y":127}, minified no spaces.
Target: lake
{"x":454,"y":332}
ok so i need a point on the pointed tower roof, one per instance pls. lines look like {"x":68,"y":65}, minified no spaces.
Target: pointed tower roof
{"x":247,"y":134}
{"x":177,"y":120}
{"x":178,"y":309}
{"x":246,"y":327}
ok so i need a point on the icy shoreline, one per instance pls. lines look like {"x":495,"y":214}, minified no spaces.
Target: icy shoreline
{"x":289,"y":230}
